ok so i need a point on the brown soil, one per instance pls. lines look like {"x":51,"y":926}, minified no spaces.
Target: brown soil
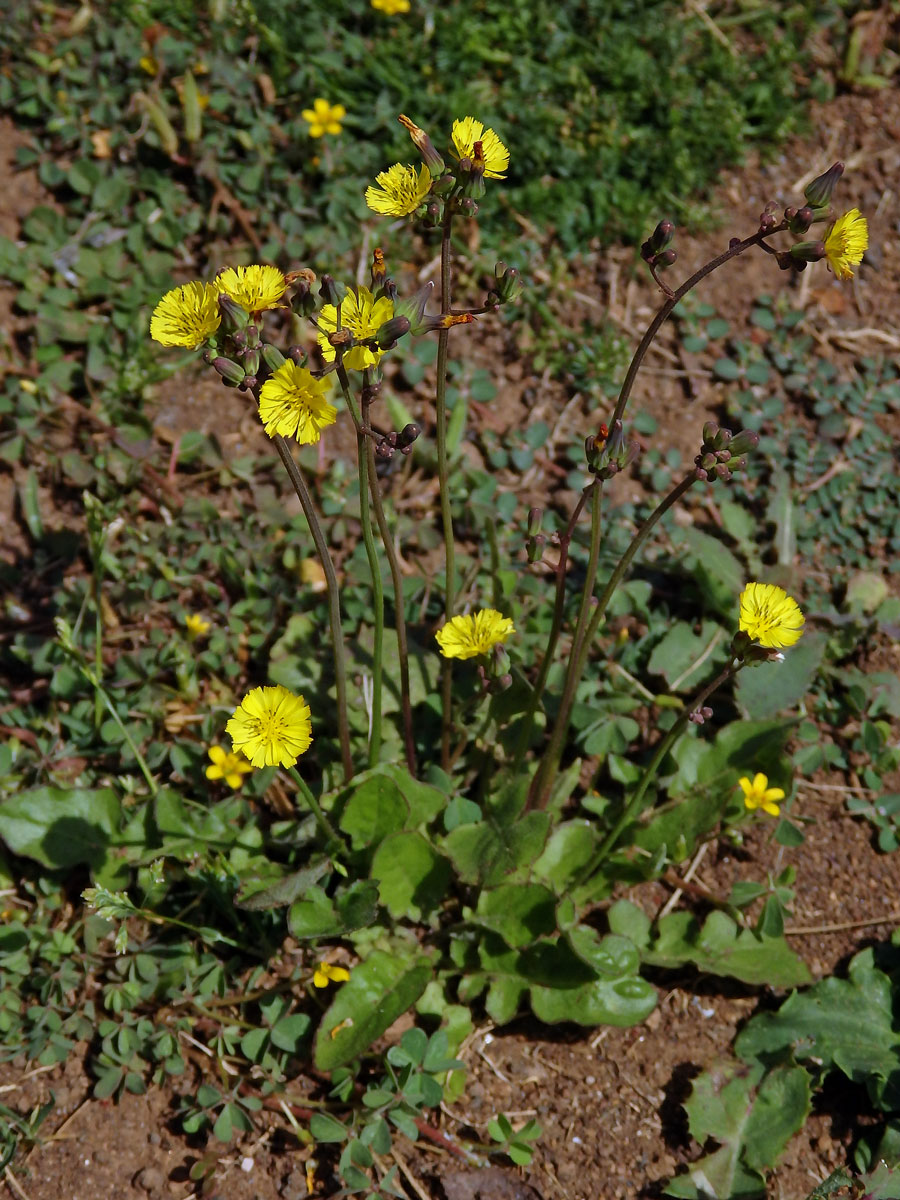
{"x":608,"y":1100}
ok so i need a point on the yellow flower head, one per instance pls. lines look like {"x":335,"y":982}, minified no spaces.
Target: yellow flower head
{"x":271,"y":726}
{"x":391,"y":7}
{"x":847,"y":242}
{"x":363,"y":315}
{"x":292,"y":402}
{"x":324,"y":118}
{"x":254,"y":288}
{"x":400,"y":191}
{"x":478,"y":633}
{"x":197,"y":626}
{"x":758,"y":794}
{"x":224,"y":764}
{"x":186,"y":316}
{"x":770,"y":616}
{"x":467,"y":132}
{"x":325,"y":973}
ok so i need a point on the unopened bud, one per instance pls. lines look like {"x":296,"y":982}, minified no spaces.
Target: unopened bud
{"x":413,"y":307}
{"x":234,"y":316}
{"x":384,"y":449}
{"x":767,"y":222}
{"x":509,"y":283}
{"x":466,"y":206}
{"x":443,"y":185}
{"x":710,"y":429}
{"x":391,"y":331}
{"x":297,"y":354}
{"x":408,"y":435}
{"x":303,"y":302}
{"x":424,"y":145}
{"x":272,"y":357}
{"x":658,"y":240}
{"x":818,"y":193}
{"x":249,"y":384}
{"x":230,"y":371}
{"x":433,"y":212}
{"x":800,"y":223}
{"x":662,"y":261}
{"x":379,"y":271}
{"x":535,"y":521}
{"x":331,"y":291}
{"x":743,"y":442}
{"x":251,"y":361}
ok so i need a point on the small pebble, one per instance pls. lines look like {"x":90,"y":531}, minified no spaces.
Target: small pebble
{"x":151,"y":1179}
{"x":247,"y":1164}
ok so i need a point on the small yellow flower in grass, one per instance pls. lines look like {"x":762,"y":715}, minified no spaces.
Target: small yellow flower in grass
{"x":467,"y":132}
{"x":758,"y":794}
{"x":254,"y":288}
{"x":197,"y":626}
{"x":770,"y":616}
{"x":478,"y":633}
{"x":186,"y":316}
{"x":292,"y":402}
{"x":271,"y":726}
{"x":325,"y":973}
{"x":324,"y":118}
{"x":400,"y":191}
{"x":363,"y":315}
{"x":847,"y":242}
{"x":391,"y":7}
{"x":225,"y":764}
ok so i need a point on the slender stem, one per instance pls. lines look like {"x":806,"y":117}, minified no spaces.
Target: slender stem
{"x":653,"y":328}
{"x":365,"y":517}
{"x":555,"y":628}
{"x":111,"y":709}
{"x":334,"y":601}
{"x":399,"y":599}
{"x":550,"y":762}
{"x":444,"y":486}
{"x":326,"y":827}
{"x":634,"y":806}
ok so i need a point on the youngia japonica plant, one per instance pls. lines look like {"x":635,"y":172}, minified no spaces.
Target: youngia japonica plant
{"x":447,"y":850}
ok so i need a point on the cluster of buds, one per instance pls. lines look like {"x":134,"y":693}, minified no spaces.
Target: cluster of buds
{"x":495,"y":677}
{"x":386,"y":446}
{"x":700,"y":715}
{"x":507,"y":286}
{"x":608,"y":453}
{"x":243,"y":348}
{"x":721,"y":452}
{"x":655,"y":251}
{"x":799,"y":220}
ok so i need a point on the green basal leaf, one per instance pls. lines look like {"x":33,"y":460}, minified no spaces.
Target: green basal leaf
{"x":412,"y":877}
{"x":379,"y":990}
{"x":519,"y":912}
{"x":61,"y":827}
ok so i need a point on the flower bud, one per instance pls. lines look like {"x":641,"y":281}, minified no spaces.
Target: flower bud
{"x":509,"y":283}
{"x":408,"y":435}
{"x":297,"y":354}
{"x":234,"y":316}
{"x":710,"y":429}
{"x":534,"y":547}
{"x":251,"y":360}
{"x":230,"y":371}
{"x":743,"y":442}
{"x":466,"y":206}
{"x":535,"y":521}
{"x":767,"y":222}
{"x":413,"y":307}
{"x":433,"y":212}
{"x":443,"y":185}
{"x":818,"y":193}
{"x":331,"y":291}
{"x":662,"y":261}
{"x":800,"y":223}
{"x":658,"y":240}
{"x":303,"y":302}
{"x":272,"y":356}
{"x":424,"y":145}
{"x":391,"y":331}
{"x":807,"y":252}
{"x":384,"y":450}
{"x":379,"y":271}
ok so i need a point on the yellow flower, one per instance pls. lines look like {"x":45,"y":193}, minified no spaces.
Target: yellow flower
{"x":391,"y":7}
{"x":467,"y":132}
{"x":254,"y":288}
{"x":196,"y":625}
{"x":466,"y":637}
{"x":292,"y":402}
{"x":228,"y":766}
{"x":770,"y":616}
{"x":312,"y":574}
{"x":363,"y":315}
{"x":847,"y":242}
{"x":758,"y":794}
{"x":400,"y":191}
{"x":271,"y":726}
{"x":186,"y":316}
{"x":325,"y":973}
{"x":324,"y":117}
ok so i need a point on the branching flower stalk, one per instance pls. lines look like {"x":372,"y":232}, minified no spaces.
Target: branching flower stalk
{"x":444,"y":485}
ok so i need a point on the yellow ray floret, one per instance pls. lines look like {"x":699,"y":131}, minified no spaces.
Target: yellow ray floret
{"x":758,"y":794}
{"x":363,"y":316}
{"x":477,"y":633}
{"x":400,"y":191}
{"x":467,"y":132}
{"x":847,"y":242}
{"x":292,"y":402}
{"x":324,"y":118}
{"x":770,"y":616}
{"x":186,"y":316}
{"x":271,"y":727}
{"x":254,"y":288}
